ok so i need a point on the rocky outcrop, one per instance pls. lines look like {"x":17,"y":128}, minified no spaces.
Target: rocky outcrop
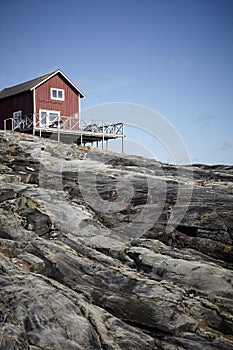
{"x":106,"y":251}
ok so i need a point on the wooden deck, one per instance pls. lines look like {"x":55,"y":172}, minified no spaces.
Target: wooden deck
{"x":69,"y":129}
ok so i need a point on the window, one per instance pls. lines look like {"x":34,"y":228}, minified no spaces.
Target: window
{"x":49,"y":119}
{"x":16,"y":119}
{"x":57,"y":94}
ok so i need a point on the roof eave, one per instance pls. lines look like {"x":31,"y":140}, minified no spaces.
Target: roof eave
{"x":52,"y":75}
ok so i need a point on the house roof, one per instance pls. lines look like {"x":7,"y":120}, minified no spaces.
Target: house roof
{"x":33,"y":84}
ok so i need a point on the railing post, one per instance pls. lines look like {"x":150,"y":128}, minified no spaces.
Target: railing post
{"x":33,"y":124}
{"x":4,"y":124}
{"x":122,"y":145}
{"x":122,"y":139}
{"x":103,"y":135}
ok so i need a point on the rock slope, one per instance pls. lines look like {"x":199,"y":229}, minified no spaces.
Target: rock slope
{"x":104,"y":251}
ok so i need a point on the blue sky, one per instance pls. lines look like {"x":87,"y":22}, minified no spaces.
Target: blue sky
{"x":172,"y":56}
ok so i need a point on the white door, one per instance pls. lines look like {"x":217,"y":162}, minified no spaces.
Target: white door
{"x":16,"y":119}
{"x":49,"y":119}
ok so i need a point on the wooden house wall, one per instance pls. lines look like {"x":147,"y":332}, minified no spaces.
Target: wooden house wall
{"x":23,"y":102}
{"x":68,"y":107}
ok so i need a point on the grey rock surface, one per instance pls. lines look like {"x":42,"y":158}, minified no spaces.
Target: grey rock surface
{"x":106,"y":251}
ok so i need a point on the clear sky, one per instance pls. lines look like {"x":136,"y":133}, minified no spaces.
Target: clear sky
{"x":172,"y":56}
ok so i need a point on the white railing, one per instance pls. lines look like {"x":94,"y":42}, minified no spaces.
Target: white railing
{"x":24,"y":122}
{"x":102,"y":127}
{"x":69,"y":123}
{"x":6,"y":123}
{"x":63,"y":123}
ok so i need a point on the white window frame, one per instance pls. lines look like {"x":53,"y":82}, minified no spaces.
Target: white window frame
{"x":16,"y":116}
{"x":48,"y":123}
{"x":57,"y":91}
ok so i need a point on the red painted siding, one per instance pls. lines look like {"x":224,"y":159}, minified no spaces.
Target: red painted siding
{"x":68,"y":107}
{"x":23,"y":102}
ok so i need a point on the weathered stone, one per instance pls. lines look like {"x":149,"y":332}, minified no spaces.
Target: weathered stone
{"x":91,"y":258}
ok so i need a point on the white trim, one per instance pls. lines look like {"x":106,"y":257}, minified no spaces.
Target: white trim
{"x":34,"y":102}
{"x":79,"y":110}
{"x":16,"y":116}
{"x":34,"y":112}
{"x":57,"y":98}
{"x":17,"y":113}
{"x":52,"y":75}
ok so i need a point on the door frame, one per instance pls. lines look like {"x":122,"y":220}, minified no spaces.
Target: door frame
{"x":47,"y":111}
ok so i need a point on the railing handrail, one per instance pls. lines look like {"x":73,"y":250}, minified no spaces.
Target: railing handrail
{"x":66,"y":123}
{"x":4,"y":122}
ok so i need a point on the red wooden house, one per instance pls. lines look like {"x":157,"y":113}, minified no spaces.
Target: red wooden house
{"x":49,"y":105}
{"x":46,"y":99}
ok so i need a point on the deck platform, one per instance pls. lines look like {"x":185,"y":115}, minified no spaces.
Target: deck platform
{"x":70,"y":130}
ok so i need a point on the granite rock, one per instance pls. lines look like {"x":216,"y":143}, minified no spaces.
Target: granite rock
{"x":100,"y":250}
